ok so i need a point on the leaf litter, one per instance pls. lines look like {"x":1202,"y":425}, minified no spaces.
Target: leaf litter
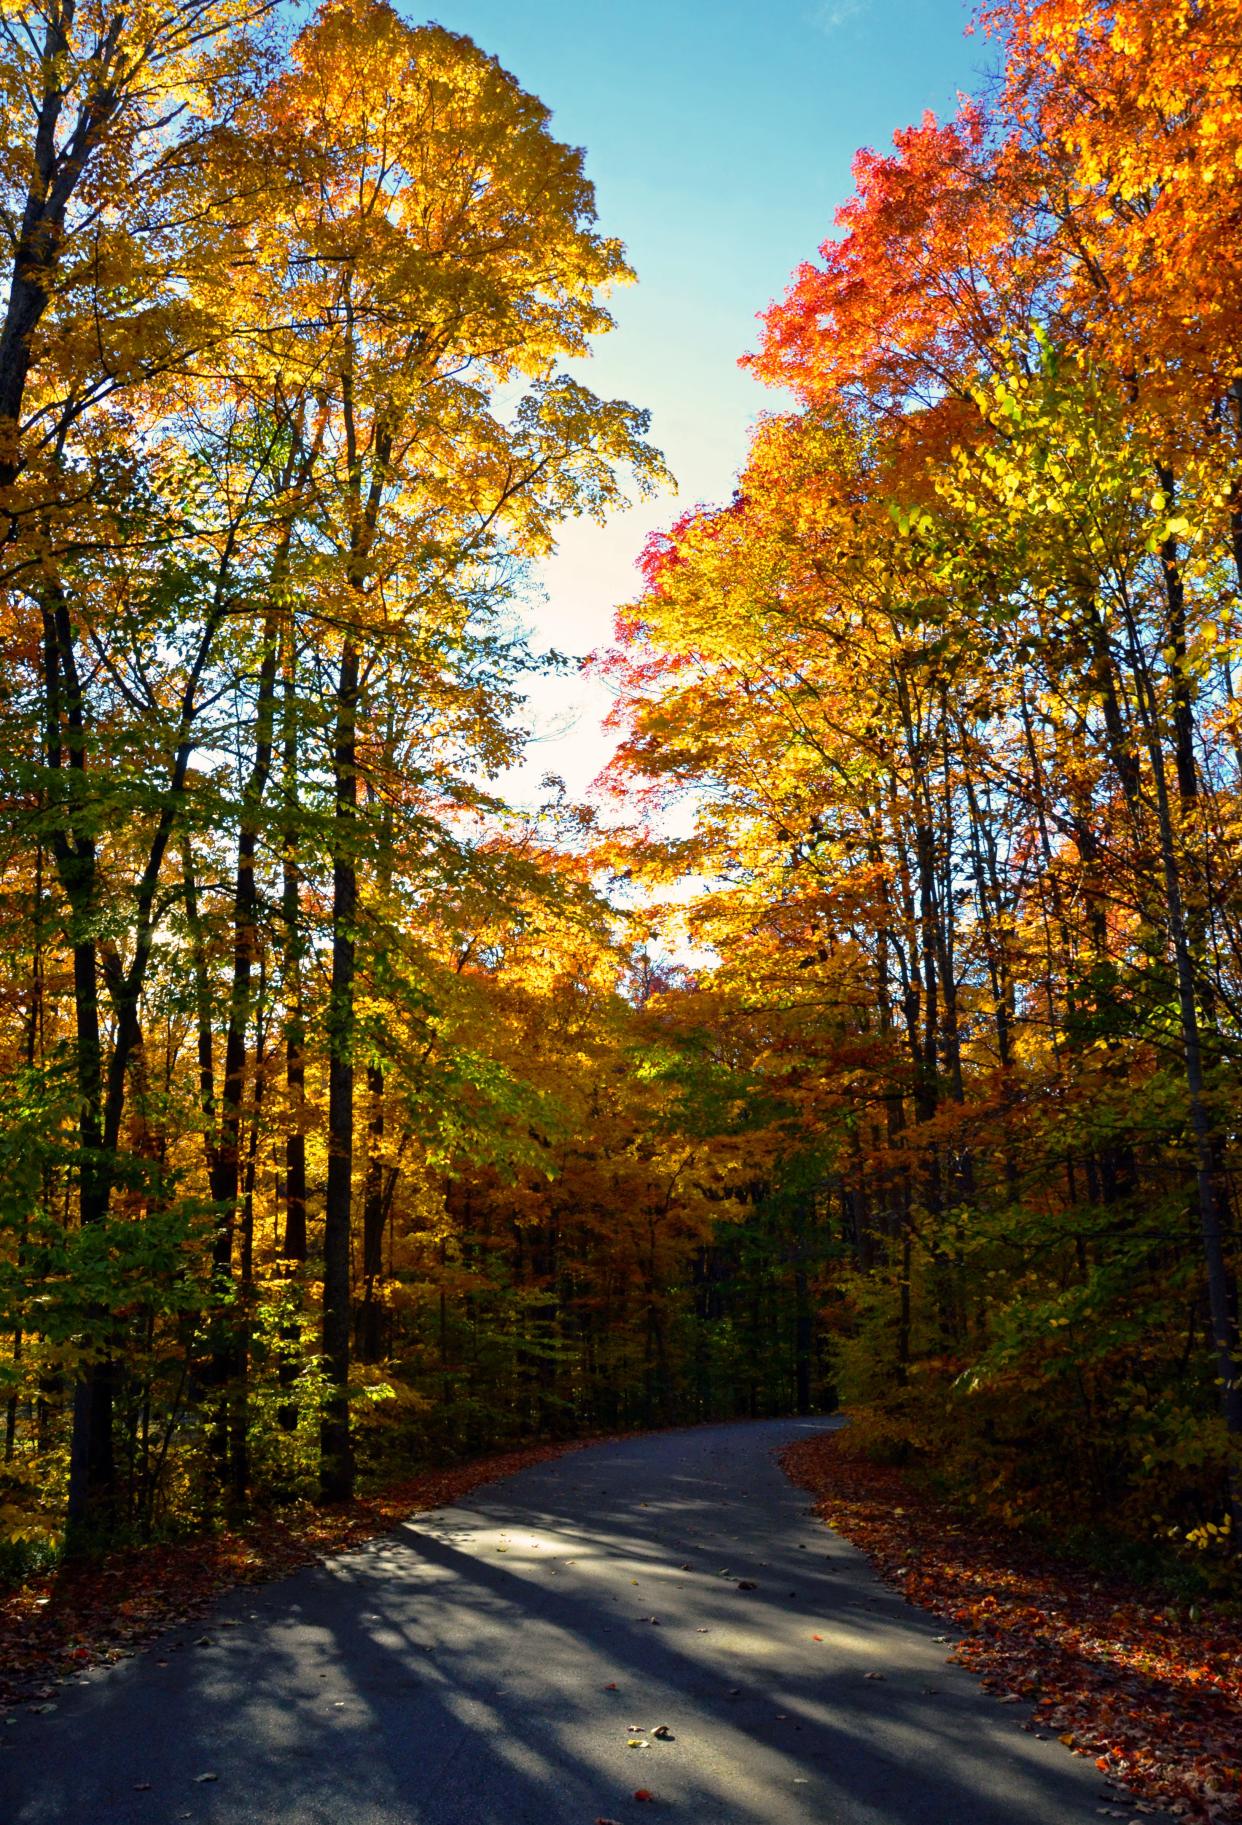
{"x":1153,"y":1697}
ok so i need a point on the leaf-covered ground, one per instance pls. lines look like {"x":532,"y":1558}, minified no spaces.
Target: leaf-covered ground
{"x":1154,"y":1699}
{"x":103,"y":1610}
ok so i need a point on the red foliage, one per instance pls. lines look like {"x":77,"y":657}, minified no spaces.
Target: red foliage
{"x":1154,"y":1699}
{"x":919,"y":281}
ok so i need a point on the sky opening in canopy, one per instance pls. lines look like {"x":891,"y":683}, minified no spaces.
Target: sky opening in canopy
{"x":719,"y":138}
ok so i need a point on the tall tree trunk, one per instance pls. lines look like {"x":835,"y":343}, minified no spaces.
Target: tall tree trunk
{"x":336,"y":1467}
{"x":294,"y":1242}
{"x":239,"y":1406}
{"x":226,"y":1173}
{"x":92,"y":1467}
{"x":226,"y":1168}
{"x":336,"y":1455}
{"x":378,"y":1187}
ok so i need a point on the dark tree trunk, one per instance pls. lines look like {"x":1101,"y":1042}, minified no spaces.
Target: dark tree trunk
{"x":92,"y":1468}
{"x":336,"y":1456}
{"x":239,"y":1406}
{"x":226,"y":1167}
{"x":294,"y":1245}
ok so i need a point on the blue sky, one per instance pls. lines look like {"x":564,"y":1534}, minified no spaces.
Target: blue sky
{"x":719,"y":138}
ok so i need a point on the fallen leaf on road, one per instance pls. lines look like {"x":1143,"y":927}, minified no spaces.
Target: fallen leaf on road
{"x":747,"y":1584}
{"x":643,"y":1793}
{"x":610,"y":1687}
{"x":663,"y":1732}
{"x":200,"y":1778}
{"x":873,"y":1675}
{"x":817,"y":1638}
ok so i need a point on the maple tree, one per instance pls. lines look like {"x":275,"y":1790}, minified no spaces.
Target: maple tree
{"x":353,"y":1119}
{"x":949,"y":690}
{"x":327,"y":1078}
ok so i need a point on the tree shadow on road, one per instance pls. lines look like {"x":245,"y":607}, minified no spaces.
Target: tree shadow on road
{"x":432,"y":1679}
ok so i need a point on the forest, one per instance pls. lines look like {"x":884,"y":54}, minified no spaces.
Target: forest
{"x":869,"y":1038}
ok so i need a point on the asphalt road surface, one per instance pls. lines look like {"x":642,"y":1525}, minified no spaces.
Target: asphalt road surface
{"x":491,"y":1664}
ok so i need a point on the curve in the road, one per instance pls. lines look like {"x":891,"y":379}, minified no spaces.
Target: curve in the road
{"x":507,"y":1662}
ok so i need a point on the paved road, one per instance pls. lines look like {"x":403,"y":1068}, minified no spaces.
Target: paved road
{"x":488,"y":1664}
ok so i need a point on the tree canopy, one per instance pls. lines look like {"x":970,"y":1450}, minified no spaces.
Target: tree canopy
{"x":872,"y":1036}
